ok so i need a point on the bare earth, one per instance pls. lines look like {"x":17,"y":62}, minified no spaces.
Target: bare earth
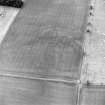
{"x":46,"y":58}
{"x":95,"y":46}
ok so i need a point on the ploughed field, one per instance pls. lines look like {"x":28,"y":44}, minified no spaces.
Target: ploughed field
{"x":46,"y":39}
{"x":42,"y":54}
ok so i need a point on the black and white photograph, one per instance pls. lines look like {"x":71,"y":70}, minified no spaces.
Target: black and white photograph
{"x":52,"y":52}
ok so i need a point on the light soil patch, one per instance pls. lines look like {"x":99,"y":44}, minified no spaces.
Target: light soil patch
{"x":94,"y":62}
{"x":7,"y":15}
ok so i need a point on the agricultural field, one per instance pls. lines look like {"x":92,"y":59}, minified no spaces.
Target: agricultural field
{"x":52,"y":53}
